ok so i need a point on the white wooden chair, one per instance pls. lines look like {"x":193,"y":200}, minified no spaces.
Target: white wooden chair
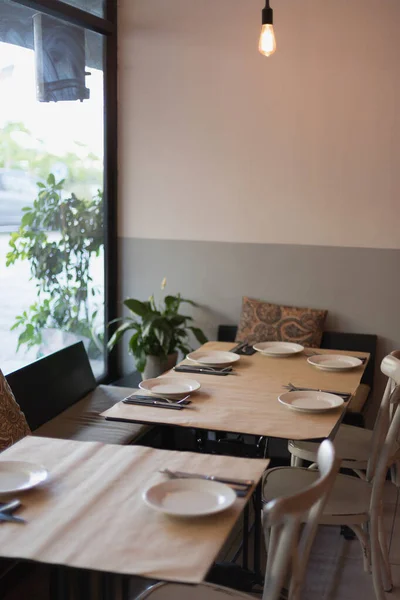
{"x":289,"y":542}
{"x":352,"y":444}
{"x":353,"y":501}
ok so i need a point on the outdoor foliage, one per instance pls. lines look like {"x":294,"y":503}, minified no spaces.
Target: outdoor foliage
{"x":58,"y":236}
{"x":20,"y":149}
{"x":157,"y":330}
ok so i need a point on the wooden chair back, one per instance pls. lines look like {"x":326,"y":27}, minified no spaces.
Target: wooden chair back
{"x":291,"y":524}
{"x":390,"y":367}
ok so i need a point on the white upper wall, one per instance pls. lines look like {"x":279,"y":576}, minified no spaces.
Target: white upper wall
{"x":220,"y":143}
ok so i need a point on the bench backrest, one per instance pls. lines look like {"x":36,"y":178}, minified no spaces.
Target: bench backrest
{"x":48,"y":386}
{"x":357,"y":342}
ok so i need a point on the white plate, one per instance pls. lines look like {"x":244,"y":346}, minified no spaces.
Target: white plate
{"x":213,"y":358}
{"x":189,"y":497}
{"x":174,"y":388}
{"x":310,"y":402}
{"x":278,"y":349}
{"x":17,"y":476}
{"x":334,"y":362}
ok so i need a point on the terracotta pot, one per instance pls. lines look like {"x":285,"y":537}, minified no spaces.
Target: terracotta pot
{"x":156,"y":365}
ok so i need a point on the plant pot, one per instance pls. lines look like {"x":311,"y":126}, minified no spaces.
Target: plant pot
{"x":156,"y":365}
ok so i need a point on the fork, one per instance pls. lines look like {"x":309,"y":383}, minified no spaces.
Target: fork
{"x":241,"y":491}
{"x":158,"y":397}
{"x":294,"y":388}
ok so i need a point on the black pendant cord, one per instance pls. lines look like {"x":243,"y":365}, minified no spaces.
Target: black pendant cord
{"x":267,"y":14}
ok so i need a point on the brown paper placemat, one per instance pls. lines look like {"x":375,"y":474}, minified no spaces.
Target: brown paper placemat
{"x":247,"y":402}
{"x":91,"y":514}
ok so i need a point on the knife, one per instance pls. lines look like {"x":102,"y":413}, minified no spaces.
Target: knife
{"x":184,"y":475}
{"x":10,"y":507}
{"x":154,"y":403}
{"x":200,"y":371}
{"x":157,"y":399}
{"x":11,"y":518}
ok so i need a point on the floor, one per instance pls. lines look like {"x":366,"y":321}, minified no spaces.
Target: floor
{"x":336,"y":570}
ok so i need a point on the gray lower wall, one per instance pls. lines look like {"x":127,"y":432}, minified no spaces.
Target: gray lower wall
{"x":359,"y":286}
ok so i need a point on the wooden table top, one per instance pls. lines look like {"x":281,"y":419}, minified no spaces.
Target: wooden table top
{"x":247,"y":402}
{"x":90,"y":514}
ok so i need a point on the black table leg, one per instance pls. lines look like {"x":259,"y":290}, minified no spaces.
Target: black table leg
{"x":60,"y":580}
{"x":245,"y":544}
{"x":257,"y":534}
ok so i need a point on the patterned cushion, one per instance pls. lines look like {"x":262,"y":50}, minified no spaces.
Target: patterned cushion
{"x":13,"y":425}
{"x":264,"y":322}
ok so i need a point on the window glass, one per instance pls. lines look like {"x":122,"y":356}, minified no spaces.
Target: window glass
{"x":51,"y":188}
{"x":96,"y":7}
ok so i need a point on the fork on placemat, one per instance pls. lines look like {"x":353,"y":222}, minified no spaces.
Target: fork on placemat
{"x":293,"y":388}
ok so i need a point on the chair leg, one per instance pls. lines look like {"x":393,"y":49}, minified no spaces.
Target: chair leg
{"x":386,"y":570}
{"x":376,"y":559}
{"x":364,"y":541}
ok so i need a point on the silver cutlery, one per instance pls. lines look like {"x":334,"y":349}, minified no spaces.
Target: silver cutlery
{"x":11,"y":518}
{"x":156,"y":404}
{"x":201,"y":370}
{"x":240,"y":490}
{"x":10,"y":507}
{"x":207,"y":368}
{"x":238,"y":347}
{"x":294,"y":388}
{"x":184,"y":400}
{"x":184,"y":475}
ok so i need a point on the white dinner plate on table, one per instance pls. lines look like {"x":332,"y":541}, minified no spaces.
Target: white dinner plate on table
{"x":278,"y":349}
{"x":17,"y":476}
{"x":213,"y":358}
{"x":189,"y":497}
{"x":334,"y":362}
{"x":174,"y":388}
{"x":310,"y":402}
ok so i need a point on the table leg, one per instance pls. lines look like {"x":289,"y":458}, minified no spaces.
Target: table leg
{"x":59,"y":583}
{"x":245,"y":544}
{"x":257,"y":534}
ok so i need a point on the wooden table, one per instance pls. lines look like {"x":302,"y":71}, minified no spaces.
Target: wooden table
{"x":90,"y":514}
{"x":247,"y":402}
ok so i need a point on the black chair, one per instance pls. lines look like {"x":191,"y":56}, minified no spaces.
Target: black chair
{"x":50,"y":385}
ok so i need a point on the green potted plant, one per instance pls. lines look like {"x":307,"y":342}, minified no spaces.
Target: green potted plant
{"x":159,"y":332}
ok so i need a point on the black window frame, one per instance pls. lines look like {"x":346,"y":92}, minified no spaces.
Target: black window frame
{"x":107,"y":27}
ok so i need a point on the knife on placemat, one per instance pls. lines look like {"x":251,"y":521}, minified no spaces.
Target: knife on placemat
{"x":155,"y":403}
{"x":185,"y":475}
{"x":200,"y":371}
{"x":10,"y":518}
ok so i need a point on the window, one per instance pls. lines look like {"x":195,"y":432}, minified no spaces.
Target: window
{"x":57,"y":192}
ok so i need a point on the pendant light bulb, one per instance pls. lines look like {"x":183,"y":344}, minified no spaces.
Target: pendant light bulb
{"x":267,"y":43}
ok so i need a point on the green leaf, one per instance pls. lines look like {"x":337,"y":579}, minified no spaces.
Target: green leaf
{"x":51,"y":180}
{"x":188,"y":301}
{"x":172,"y":303}
{"x":140,"y":359}
{"x":117,"y":335}
{"x":139,"y":308}
{"x":198,"y":334}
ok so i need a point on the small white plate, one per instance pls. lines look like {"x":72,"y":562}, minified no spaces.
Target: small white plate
{"x":189,"y":497}
{"x":278,"y":349}
{"x":213,"y":358}
{"x":310,"y":402}
{"x":174,"y":388}
{"x":334,"y":362}
{"x":17,"y":476}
